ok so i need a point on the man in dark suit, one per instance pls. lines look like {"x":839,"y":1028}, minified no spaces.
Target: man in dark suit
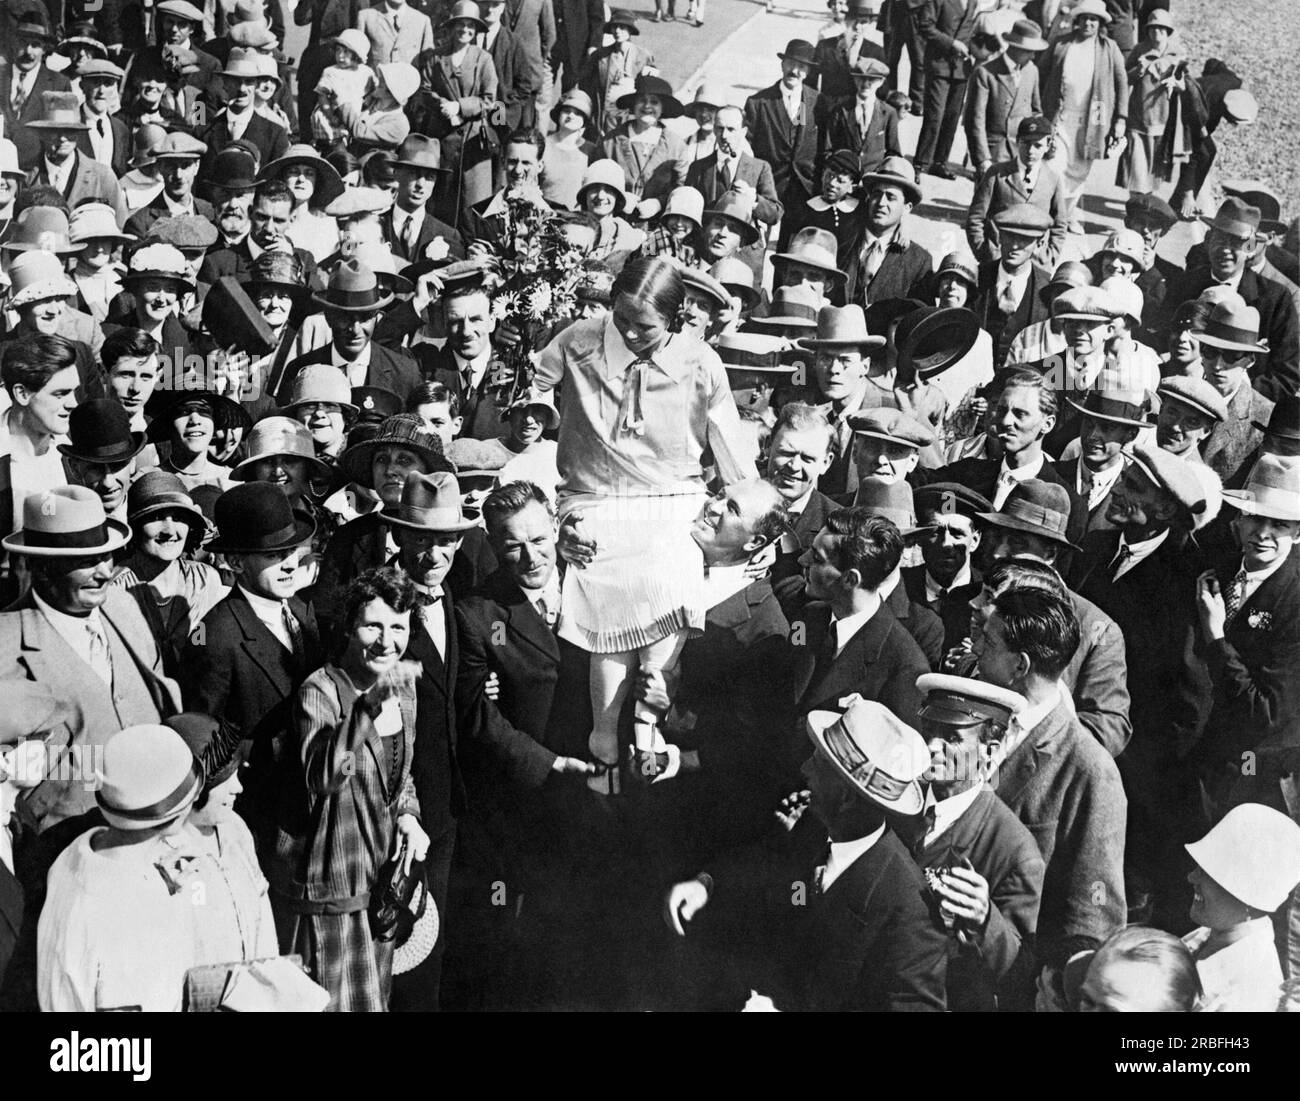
{"x":947,"y":27}
{"x":782,"y":124}
{"x":109,"y":138}
{"x":24,"y":79}
{"x":898,"y":21}
{"x":799,"y":452}
{"x":1023,"y":178}
{"x":839,"y":55}
{"x":246,"y":661}
{"x":462,"y":363}
{"x":409,"y":226}
{"x":863,"y":124}
{"x":730,"y":168}
{"x":178,"y":158}
{"x":353,"y":304}
{"x":1054,"y":776}
{"x":579,"y":28}
{"x":948,"y":579}
{"x":1111,"y":421}
{"x":866,"y":935}
{"x":1007,"y":297}
{"x":885,"y":263}
{"x":239,"y":119}
{"x":532,"y":22}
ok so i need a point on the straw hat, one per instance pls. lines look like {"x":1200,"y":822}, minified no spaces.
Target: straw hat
{"x":403,"y":430}
{"x":647,"y":85}
{"x":95,"y":221}
{"x":322,"y":383}
{"x":66,"y":522}
{"x":149,"y":776}
{"x":876,"y":753}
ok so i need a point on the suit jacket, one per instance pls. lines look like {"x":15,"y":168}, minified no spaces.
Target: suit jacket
{"x":871,"y":942}
{"x":34,"y":650}
{"x":1066,"y":789}
{"x":235,"y":669}
{"x":703,"y":176}
{"x":1002,"y":186}
{"x":514,"y":87}
{"x":1097,"y":677}
{"x":831,"y":75}
{"x":789,"y":147}
{"x":271,"y":139}
{"x":388,"y":369}
{"x":532,"y":22}
{"x":994,"y":968}
{"x":439,"y":782}
{"x":89,"y":181}
{"x":482,"y":418}
{"x":1003,"y":327}
{"x":597,"y":72}
{"x":663,"y":170}
{"x":996,"y":105}
{"x":430,"y":230}
{"x":1229,"y":450}
{"x":807,"y":524}
{"x":140,"y":222}
{"x":919,"y":621}
{"x":841,"y":131}
{"x":16,"y":128}
{"x":11,"y":918}
{"x":580,"y":26}
{"x":121,"y":145}
{"x":981,"y":475}
{"x":942,"y":24}
{"x":904,"y":273}
{"x":953,"y":607}
{"x":1083,"y":519}
{"x":414,"y":35}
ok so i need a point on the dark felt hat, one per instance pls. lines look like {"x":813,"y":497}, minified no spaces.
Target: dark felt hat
{"x":257,"y":518}
{"x":99,"y":431}
{"x":1036,"y":507}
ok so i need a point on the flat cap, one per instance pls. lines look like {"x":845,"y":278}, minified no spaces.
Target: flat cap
{"x":870,"y":68}
{"x":185,"y":231}
{"x":181,"y":146}
{"x":1197,"y":393}
{"x":1152,"y":207}
{"x":478,"y":457}
{"x":960,"y":701}
{"x":1023,"y":218}
{"x":892,"y":425}
{"x":356,"y":201}
{"x":1173,"y":474}
{"x":1084,"y":304}
{"x":96,"y":66}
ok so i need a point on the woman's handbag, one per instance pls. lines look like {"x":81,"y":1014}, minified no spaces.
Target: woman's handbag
{"x":391,"y":912}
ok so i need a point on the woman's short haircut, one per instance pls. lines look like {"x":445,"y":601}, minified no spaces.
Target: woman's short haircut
{"x":1041,"y":624}
{"x":1047,"y":402}
{"x":31,"y":363}
{"x":867,"y":543}
{"x":126,"y":343}
{"x":1165,"y":955}
{"x":434,"y":393}
{"x":655,"y":281}
{"x":386,"y":583}
{"x":504,"y":501}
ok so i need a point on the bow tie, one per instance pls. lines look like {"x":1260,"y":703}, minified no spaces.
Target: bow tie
{"x":427,"y":596}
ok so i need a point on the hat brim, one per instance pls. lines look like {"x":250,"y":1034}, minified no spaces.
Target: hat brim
{"x":346,"y":407}
{"x":326,"y":174}
{"x":1014,"y":523}
{"x":153,"y":508}
{"x":747,"y":230}
{"x":304,"y":527}
{"x":672,"y":106}
{"x":1228,"y":345}
{"x":355,"y":462}
{"x":624,"y":199}
{"x":482,"y":27}
{"x":242,"y":471}
{"x":42,"y":124}
{"x":962,"y":329}
{"x":1251,"y":502}
{"x":133,"y":823}
{"x":810,"y":62}
{"x":421,"y":165}
{"x":227,"y":413}
{"x":748,"y":296}
{"x":119,"y":535}
{"x":812,"y":343}
{"x":322,"y":300}
{"x":910,"y":803}
{"x":907,"y":186}
{"x":462,"y":524}
{"x":1075,"y":316}
{"x":784,"y":257}
{"x":135,"y":444}
{"x":1193,"y":404}
{"x":1035,"y":44}
{"x":27,"y":246}
{"x":129,"y":277}
{"x":1110,"y":418}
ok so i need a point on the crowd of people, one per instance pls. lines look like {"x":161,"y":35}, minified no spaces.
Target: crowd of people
{"x":483,"y":532}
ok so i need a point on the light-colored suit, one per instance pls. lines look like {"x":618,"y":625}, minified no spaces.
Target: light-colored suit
{"x":90,"y":181}
{"x":995,"y":105}
{"x":1003,"y":186}
{"x":413,"y":35}
{"x":31,"y":649}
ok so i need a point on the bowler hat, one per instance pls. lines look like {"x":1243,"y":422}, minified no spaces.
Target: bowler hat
{"x":1197,"y":394}
{"x":1253,"y":853}
{"x":257,"y":518}
{"x":467,"y":10}
{"x":1233,"y":326}
{"x":60,"y":111}
{"x":815,"y":248}
{"x":329,"y":184}
{"x":274,"y":436}
{"x":575,"y":99}
{"x":1272,"y":489}
{"x":894,"y":172}
{"x":647,"y":85}
{"x":841,"y":327}
{"x":1025,"y":35}
{"x":737,"y":210}
{"x":99,"y":431}
{"x":931,"y":339}
{"x":66,"y":522}
{"x":149,"y":776}
{"x":797,"y":49}
{"x":41,"y":227}
{"x":353,"y":288}
{"x":962,"y":702}
{"x":419,"y":151}
{"x":158,"y":491}
{"x":891,"y":425}
{"x":1036,"y":507}
{"x":1284,"y":420}
{"x":876,"y":753}
{"x":430,"y":502}
{"x":947,"y":498}
{"x":404,"y":430}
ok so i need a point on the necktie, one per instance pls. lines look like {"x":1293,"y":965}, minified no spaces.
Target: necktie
{"x":826,"y":655}
{"x":1232,"y":602}
{"x":872,"y":259}
{"x":1008,"y":297}
{"x":724,"y":176}
{"x":819,"y":872}
{"x":549,"y":614}
{"x":293,"y":629}
{"x":631,"y":408}
{"x":1028,"y":186}
{"x":1120,"y":560}
{"x":1006,"y":483}
{"x":100,"y":661}
{"x":408,"y":237}
{"x":792,"y":109}
{"x":430,"y":605}
{"x":20,"y":97}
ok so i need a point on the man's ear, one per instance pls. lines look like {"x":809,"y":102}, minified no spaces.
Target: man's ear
{"x":851,"y":579}
{"x":21,"y":395}
{"x":457,"y":423}
{"x":1023,"y":666}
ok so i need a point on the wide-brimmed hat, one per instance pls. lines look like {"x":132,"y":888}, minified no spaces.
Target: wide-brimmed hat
{"x":544,"y":399}
{"x":468,"y":10}
{"x":1090,"y":7}
{"x":401,"y":80}
{"x":157,"y":261}
{"x":329,"y":184}
{"x":647,"y":85}
{"x":99,"y":431}
{"x":149,"y":777}
{"x":280,"y":436}
{"x":1037,"y":508}
{"x":257,"y":518}
{"x":738,"y":279}
{"x":35,"y":276}
{"x":322,"y":383}
{"x":1115,"y":406}
{"x":1272,"y":489}
{"x":353,"y":288}
{"x":66,"y":522}
{"x":278,"y":268}
{"x":1253,"y":853}
{"x":415,"y":944}
{"x":879,"y":755}
{"x":405,"y":430}
{"x":710,"y":95}
{"x":684,"y":202}
{"x":144,"y":144}
{"x":800,"y":50}
{"x":1234,"y":326}
{"x":932,"y":339}
{"x":892,"y":426}
{"x":430,"y":502}
{"x":1083,"y":304}
{"x":95,"y":221}
{"x":60,"y":111}
{"x":962,"y":702}
{"x":354,"y":40}
{"x":225,"y":412}
{"x":1236,"y":217}
{"x":42,"y":227}
{"x":891,"y":501}
{"x":1197,"y":394}
{"x":620,"y":17}
{"x":737,"y":209}
{"x":815,"y":248}
{"x":841,"y":327}
{"x":1025,"y":35}
{"x":419,"y":151}
{"x":610,"y":174}
{"x":895,"y":172}
{"x":575,"y":99}
{"x":962,"y":265}
{"x":162,"y":491}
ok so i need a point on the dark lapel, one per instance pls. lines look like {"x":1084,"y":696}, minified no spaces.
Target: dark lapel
{"x":521,"y":616}
{"x":264,"y":650}
{"x":845,"y":673}
{"x":1272,"y":592}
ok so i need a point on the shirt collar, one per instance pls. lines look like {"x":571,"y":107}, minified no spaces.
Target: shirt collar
{"x":65,"y":623}
{"x":174,"y":208}
{"x":618,"y":357}
{"x":362,"y":360}
{"x":1258,"y":577}
{"x":265,"y":607}
{"x":476,"y":368}
{"x":1023,"y":473}
{"x":933,"y":590}
{"x":1143,"y":547}
{"x":850,"y":625}
{"x":844,"y":853}
{"x":1025,"y":721}
{"x":720,"y":582}
{"x":948,"y":811}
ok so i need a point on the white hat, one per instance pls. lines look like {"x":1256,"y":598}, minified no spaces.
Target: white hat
{"x":1253,"y":854}
{"x":875,"y":751}
{"x":149,"y":777}
{"x":37,"y":275}
{"x":401,"y":80}
{"x":356,"y":41}
{"x":9,"y":159}
{"x":356,"y":201}
{"x":92,"y":221}
{"x":1125,"y":297}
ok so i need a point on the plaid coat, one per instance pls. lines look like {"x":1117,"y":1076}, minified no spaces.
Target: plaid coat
{"x":341,"y":796}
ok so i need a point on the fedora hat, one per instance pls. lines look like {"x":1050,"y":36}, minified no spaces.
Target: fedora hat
{"x":1025,"y":35}
{"x":875,"y":752}
{"x":467,"y":10}
{"x":1258,"y":194}
{"x":354,"y":40}
{"x":154,"y":260}
{"x":60,"y":111}
{"x":322,"y":383}
{"x":402,"y":80}
{"x":610,"y":174}
{"x":225,"y":412}
{"x":792,"y":308}
{"x":95,"y":222}
{"x":149,"y":777}
{"x":32,"y":26}
{"x":37,"y":275}
{"x":962,"y":265}
{"x":800,"y":50}
{"x":895,"y":172}
{"x":647,"y":85}
{"x":962,"y":702}
{"x":353,"y":288}
{"x":281,"y":436}
{"x":42,"y":227}
{"x":241,"y":64}
{"x":162,"y":491}
{"x":1116,"y":406}
{"x":144,"y":144}
{"x":377,"y":256}
{"x":930,"y":340}
{"x":403,"y":430}
{"x":738,"y":210}
{"x":1272,"y":489}
{"x":841,"y":327}
{"x":1235,"y":217}
{"x":66,"y":522}
{"x":1253,"y":853}
{"x":892,"y":502}
{"x":684,"y":202}
{"x":1090,"y":7}
{"x":99,"y":431}
{"x":1283,"y":421}
{"x":576,"y":100}
{"x":256,"y":518}
{"x":948,"y":498}
{"x":620,"y":17}
{"x":710,"y":95}
{"x":430,"y":502}
{"x":329,"y":184}
{"x":1233,"y":326}
{"x":419,"y":151}
{"x":738,"y":279}
{"x":1036,"y":507}
{"x":814,"y":247}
